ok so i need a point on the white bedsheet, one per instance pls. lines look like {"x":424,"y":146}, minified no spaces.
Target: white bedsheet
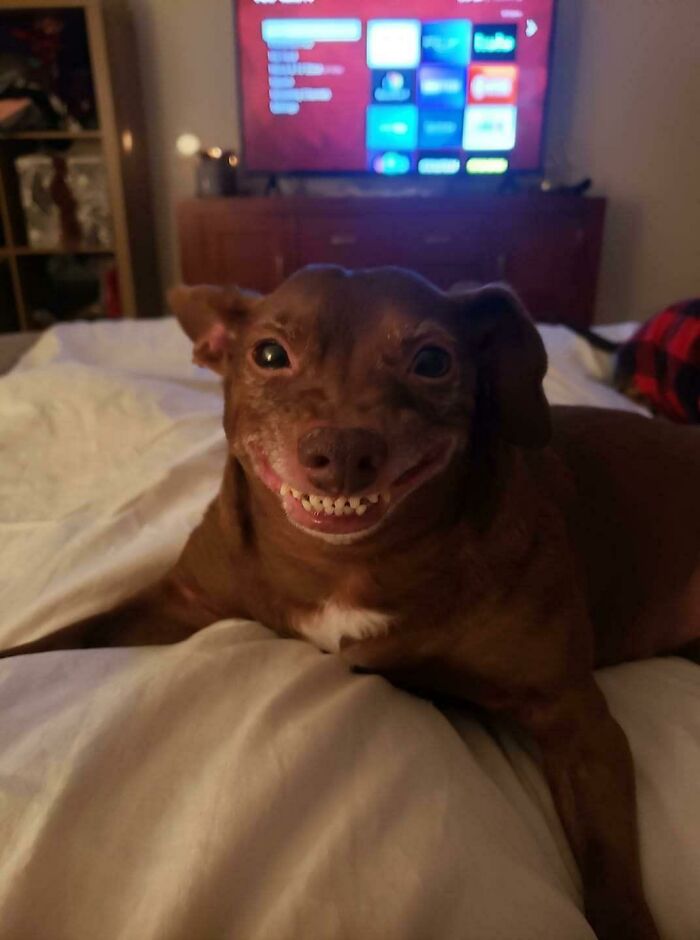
{"x":243,"y":786}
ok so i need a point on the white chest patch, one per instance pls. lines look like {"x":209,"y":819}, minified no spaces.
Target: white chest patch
{"x":326,"y":626}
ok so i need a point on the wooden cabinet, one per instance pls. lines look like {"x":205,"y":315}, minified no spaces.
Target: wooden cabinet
{"x":546,"y":246}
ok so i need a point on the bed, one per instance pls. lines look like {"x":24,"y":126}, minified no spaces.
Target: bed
{"x":242,"y":786}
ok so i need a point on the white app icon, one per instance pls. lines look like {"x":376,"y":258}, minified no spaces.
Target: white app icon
{"x":393,"y":44}
{"x":490,"y":127}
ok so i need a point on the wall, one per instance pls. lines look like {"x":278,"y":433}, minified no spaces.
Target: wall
{"x":625,"y":110}
{"x":185,"y":52}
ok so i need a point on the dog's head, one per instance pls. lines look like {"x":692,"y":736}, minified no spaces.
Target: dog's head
{"x":346,"y":393}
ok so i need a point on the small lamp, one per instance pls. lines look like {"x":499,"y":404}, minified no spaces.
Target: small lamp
{"x":217,"y":172}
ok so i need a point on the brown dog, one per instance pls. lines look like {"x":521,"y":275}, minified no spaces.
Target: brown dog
{"x":398,"y":489}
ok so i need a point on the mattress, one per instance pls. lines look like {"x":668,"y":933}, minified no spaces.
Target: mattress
{"x":237,"y":784}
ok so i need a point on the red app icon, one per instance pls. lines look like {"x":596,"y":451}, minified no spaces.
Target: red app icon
{"x":493,"y":84}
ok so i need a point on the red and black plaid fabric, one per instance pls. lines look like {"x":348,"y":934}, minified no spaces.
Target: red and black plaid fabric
{"x":660,"y":364}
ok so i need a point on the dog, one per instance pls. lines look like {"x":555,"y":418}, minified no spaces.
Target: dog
{"x":399,"y":492}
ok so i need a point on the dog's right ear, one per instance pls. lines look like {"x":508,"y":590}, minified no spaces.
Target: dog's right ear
{"x":210,"y":314}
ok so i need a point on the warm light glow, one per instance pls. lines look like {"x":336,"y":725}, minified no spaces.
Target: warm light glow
{"x":187,"y":145}
{"x":215,"y":153}
{"x":233,"y":160}
{"x":127,"y":141}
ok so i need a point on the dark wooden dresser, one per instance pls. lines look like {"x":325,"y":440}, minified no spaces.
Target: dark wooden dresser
{"x":546,"y":246}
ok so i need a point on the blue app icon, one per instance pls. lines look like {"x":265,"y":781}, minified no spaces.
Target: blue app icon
{"x":439,"y":164}
{"x":392,"y":127}
{"x":439,"y":128}
{"x":446,"y":42}
{"x":393,"y":86}
{"x":442,"y":86}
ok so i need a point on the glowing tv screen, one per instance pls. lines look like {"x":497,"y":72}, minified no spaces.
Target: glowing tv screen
{"x":393,"y":87}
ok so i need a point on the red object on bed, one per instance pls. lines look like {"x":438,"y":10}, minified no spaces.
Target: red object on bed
{"x":660,"y":364}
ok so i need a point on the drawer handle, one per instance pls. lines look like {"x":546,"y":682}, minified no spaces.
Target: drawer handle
{"x":437,"y":239}
{"x":343,"y":239}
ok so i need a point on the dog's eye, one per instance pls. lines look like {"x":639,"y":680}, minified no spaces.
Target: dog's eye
{"x":431,"y":362}
{"x":271,"y":355}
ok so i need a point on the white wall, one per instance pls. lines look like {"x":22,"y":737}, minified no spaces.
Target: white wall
{"x":625,"y":110}
{"x":185,"y":52}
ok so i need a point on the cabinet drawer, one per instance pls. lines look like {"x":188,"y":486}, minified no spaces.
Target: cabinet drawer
{"x":393,"y":238}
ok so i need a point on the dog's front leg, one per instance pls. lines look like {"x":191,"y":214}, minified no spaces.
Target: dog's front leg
{"x":588,"y":764}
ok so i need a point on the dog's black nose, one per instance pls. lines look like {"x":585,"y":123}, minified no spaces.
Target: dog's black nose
{"x":342,"y":460}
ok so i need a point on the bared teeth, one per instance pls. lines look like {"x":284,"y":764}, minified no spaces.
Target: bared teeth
{"x":341,"y":506}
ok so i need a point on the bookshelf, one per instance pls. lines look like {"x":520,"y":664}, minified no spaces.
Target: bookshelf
{"x":95,"y":54}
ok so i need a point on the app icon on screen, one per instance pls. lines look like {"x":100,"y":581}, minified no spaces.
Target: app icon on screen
{"x":495,"y":43}
{"x":439,"y":164}
{"x":486,"y":166}
{"x":393,"y":86}
{"x":390,"y":163}
{"x":438,"y":128}
{"x":393,"y":44}
{"x":493,"y":84}
{"x":441,"y":86}
{"x":392,"y":127}
{"x":447,"y":42}
{"x":490,"y":127}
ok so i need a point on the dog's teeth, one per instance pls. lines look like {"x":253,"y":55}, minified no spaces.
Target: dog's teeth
{"x":386,"y":497}
{"x":374,"y":498}
{"x":354,"y":501}
{"x":306,"y":504}
{"x":295,"y":493}
{"x":340,"y":502}
{"x":361,"y":510}
{"x":348,"y":511}
{"x":338,"y":510}
{"x":328,"y":509}
{"x":327,"y":503}
{"x":284,"y":489}
{"x":316,"y":502}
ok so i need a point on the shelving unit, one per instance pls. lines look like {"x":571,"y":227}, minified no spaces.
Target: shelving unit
{"x":118,"y":135}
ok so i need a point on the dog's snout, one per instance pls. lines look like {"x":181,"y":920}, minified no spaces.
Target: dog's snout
{"x":342,"y":460}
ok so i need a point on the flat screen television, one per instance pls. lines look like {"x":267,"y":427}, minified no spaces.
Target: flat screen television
{"x":393,"y":87}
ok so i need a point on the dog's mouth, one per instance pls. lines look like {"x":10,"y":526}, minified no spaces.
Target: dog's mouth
{"x":347,"y":518}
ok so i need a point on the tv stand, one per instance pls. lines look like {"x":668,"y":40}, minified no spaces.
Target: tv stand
{"x":546,"y":245}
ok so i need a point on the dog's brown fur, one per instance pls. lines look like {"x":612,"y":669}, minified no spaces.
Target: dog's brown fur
{"x":508,"y":575}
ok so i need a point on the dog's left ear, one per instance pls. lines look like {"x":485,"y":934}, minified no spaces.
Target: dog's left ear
{"x":511,"y":363}
{"x":209,"y":314}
